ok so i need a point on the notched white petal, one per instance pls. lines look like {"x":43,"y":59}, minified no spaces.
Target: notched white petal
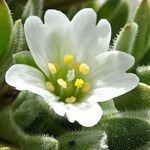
{"x":54,"y":18}
{"x":114,"y":86}
{"x":59,"y":108}
{"x":35,"y":34}
{"x":86,"y":114}
{"x":110,"y":62}
{"x":104,"y":31}
{"x":24,"y":77}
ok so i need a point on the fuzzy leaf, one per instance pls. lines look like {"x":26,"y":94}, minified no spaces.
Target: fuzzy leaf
{"x":35,"y":116}
{"x":5,"y":28}
{"x":38,"y":143}
{"x":11,"y":132}
{"x":17,"y":44}
{"x":145,"y":60}
{"x":142,"y":19}
{"x":137,"y":99}
{"x":126,"y":133}
{"x":91,"y":139}
{"x":144,"y":74}
{"x":126,"y":38}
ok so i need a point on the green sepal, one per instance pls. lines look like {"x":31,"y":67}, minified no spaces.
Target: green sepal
{"x":24,"y":57}
{"x":144,"y":74}
{"x":32,"y":8}
{"x":126,"y":38}
{"x":142,"y":19}
{"x":109,"y":109}
{"x":6,"y":25}
{"x":18,"y":43}
{"x":137,"y":99}
{"x":116,"y":12}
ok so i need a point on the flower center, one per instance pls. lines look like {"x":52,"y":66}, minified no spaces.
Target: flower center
{"x":68,"y":80}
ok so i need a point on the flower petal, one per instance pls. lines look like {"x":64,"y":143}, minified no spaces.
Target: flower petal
{"x":24,"y":77}
{"x":110,"y":62}
{"x":86,"y":114}
{"x":36,"y":38}
{"x":59,"y":108}
{"x":87,"y":38}
{"x":80,"y":30}
{"x":44,"y":39}
{"x":104,"y":31}
{"x":56,"y":24}
{"x":114,"y":85}
{"x":55,"y":19}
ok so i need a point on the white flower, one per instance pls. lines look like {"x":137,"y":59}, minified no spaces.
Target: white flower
{"x":75,"y":69}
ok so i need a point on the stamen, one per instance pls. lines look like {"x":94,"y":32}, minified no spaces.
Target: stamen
{"x":68,"y":59}
{"x":70,"y":100}
{"x":70,"y":75}
{"x":62,"y":83}
{"x":84,"y":68}
{"x":86,"y":87}
{"x":50,"y":86}
{"x":79,"y":83}
{"x":76,"y":65}
{"x":57,"y":66}
{"x":52,"y":68}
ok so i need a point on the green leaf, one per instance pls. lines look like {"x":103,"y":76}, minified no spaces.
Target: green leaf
{"x":33,"y":8}
{"x":144,"y":74}
{"x":142,"y":19}
{"x":38,"y":143}
{"x":126,"y":38}
{"x":5,"y":28}
{"x":126,"y":133}
{"x":90,"y":139}
{"x":17,"y":44}
{"x":24,"y":57}
{"x":11,"y":132}
{"x":145,"y":60}
{"x":116,"y":12}
{"x":137,"y":99}
{"x":7,"y":132}
{"x":34,"y":116}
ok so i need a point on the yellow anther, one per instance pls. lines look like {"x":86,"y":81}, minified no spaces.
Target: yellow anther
{"x":79,"y":83}
{"x":68,"y":59}
{"x":52,"y":68}
{"x":86,"y":87}
{"x":62,"y":83}
{"x":50,"y":86}
{"x":70,"y":100}
{"x":84,"y":68}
